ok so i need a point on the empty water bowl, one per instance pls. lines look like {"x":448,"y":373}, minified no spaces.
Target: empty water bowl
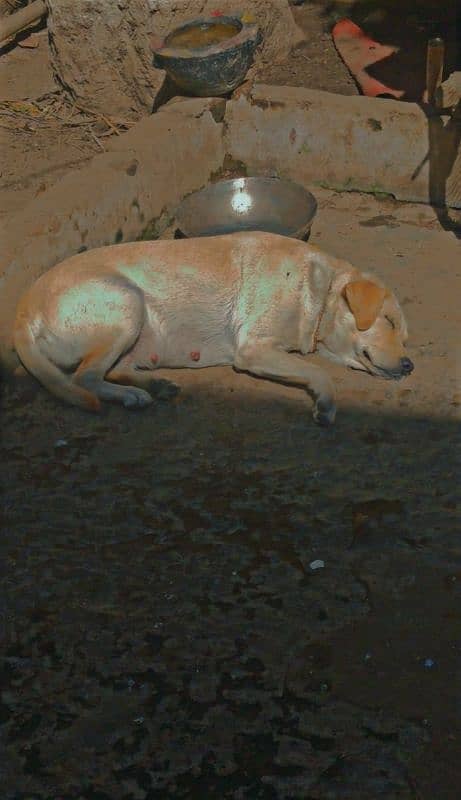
{"x":208,"y":57}
{"x":248,"y":204}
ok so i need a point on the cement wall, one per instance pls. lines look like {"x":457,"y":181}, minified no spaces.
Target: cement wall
{"x":347,"y":143}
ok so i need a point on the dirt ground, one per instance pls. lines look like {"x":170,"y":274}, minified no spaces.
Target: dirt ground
{"x":213,"y":598}
{"x":166,"y":633}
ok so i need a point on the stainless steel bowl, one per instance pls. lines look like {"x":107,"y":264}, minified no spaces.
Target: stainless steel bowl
{"x":248,"y":204}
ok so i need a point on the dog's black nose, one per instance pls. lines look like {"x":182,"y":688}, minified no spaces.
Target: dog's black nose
{"x":406,"y":365}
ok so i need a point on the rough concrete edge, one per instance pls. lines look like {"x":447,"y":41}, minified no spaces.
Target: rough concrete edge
{"x":251,"y":113}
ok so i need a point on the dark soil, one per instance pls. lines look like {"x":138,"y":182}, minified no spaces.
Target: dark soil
{"x":166,"y":634}
{"x":315,"y":64}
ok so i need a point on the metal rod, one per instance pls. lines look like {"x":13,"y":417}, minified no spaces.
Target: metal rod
{"x":434,"y":68}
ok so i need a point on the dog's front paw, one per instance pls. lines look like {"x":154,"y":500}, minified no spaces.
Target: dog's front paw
{"x":162,"y":389}
{"x":324,"y":413}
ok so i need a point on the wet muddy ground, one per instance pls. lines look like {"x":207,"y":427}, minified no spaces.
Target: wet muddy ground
{"x":215,"y":599}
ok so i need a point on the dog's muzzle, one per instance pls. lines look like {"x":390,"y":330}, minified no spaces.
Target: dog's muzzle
{"x":405,"y":368}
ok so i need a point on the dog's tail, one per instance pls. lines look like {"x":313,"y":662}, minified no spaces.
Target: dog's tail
{"x":49,"y":375}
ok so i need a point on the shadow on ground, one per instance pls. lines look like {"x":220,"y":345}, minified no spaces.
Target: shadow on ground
{"x":167,"y":631}
{"x":408,"y":26}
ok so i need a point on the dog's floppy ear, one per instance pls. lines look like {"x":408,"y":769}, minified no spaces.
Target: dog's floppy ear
{"x":364,"y":299}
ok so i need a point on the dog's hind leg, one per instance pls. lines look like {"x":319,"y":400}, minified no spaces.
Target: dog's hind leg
{"x":98,"y":361}
{"x":266,"y":359}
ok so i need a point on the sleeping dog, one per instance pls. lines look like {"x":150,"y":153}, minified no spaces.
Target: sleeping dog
{"x":95,"y":326}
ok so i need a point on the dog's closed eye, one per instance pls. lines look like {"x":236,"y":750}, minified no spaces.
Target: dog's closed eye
{"x":390,"y":321}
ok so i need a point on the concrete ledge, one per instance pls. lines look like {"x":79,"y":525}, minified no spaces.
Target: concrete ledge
{"x":146,"y":173}
{"x":345,"y":143}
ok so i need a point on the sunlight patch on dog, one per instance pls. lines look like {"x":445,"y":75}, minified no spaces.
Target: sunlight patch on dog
{"x":93,"y":300}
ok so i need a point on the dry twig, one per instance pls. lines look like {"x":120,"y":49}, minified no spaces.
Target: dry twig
{"x":58,"y":111}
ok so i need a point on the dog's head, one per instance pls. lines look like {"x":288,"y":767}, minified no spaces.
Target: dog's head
{"x":367,"y":331}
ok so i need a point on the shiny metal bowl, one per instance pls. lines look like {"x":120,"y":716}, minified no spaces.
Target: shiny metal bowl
{"x":248,"y":204}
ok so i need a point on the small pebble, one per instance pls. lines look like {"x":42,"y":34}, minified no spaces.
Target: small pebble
{"x":318,"y":564}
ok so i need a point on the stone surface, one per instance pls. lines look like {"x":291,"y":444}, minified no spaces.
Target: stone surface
{"x":113,"y":73}
{"x":346,"y":143}
{"x":196,"y":106}
{"x":450,"y":90}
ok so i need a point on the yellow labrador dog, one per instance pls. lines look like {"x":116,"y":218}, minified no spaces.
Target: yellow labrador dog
{"x":95,"y":326}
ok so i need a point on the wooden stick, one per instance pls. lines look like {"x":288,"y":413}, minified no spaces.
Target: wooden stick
{"x":21,"y":19}
{"x":434,"y":68}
